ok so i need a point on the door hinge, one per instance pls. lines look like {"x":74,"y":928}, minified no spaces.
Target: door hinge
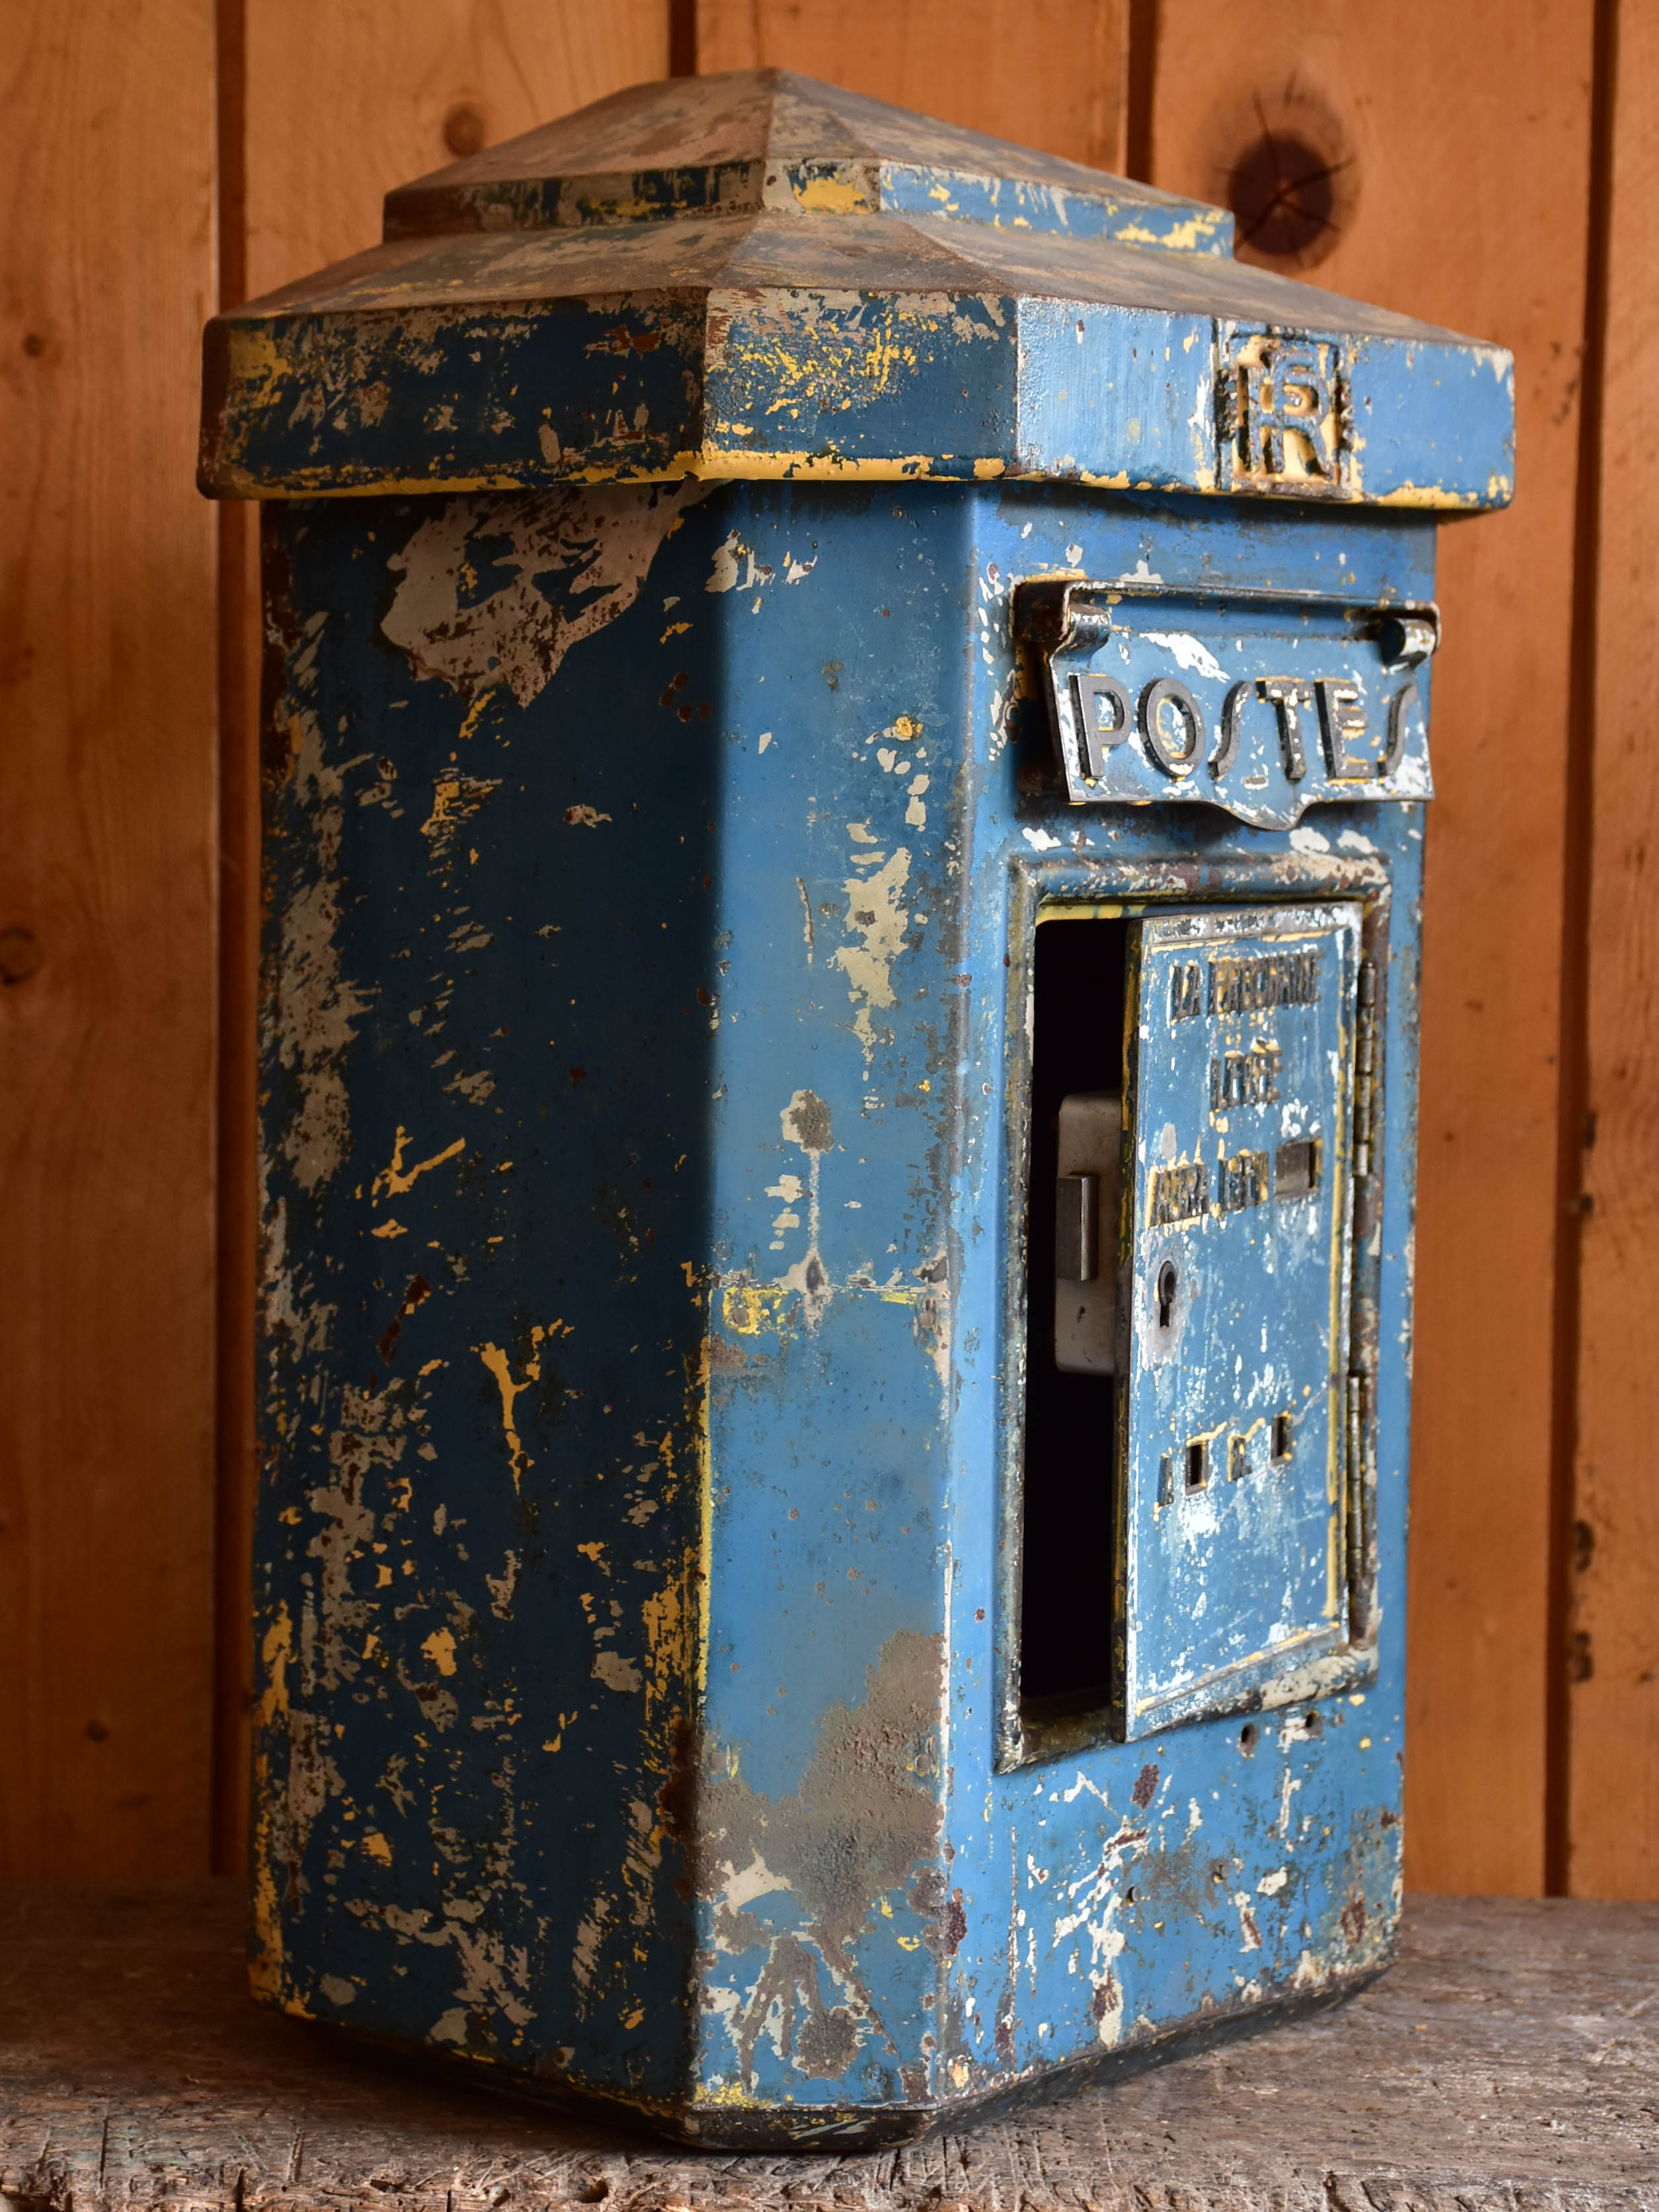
{"x":1355,"y":1494}
{"x":1365,"y":1070}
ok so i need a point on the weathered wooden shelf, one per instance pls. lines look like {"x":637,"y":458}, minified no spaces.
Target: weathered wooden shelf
{"x":1510,"y":2059}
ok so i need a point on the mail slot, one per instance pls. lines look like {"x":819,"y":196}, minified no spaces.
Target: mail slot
{"x":846,"y":751}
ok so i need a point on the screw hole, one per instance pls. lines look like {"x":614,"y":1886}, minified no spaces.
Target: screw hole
{"x":1166,"y":1294}
{"x":1198,"y":1470}
{"x":1249,"y":1737}
{"x":1284,"y":1438}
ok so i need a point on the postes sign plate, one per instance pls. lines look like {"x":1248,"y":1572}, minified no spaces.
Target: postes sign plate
{"x":1260,"y":704}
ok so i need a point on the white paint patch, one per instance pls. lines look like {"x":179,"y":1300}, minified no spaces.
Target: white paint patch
{"x":316,"y":1009}
{"x":1189,"y":653}
{"x":574,"y":559}
{"x":1040,"y":840}
{"x":1308,"y":840}
{"x":757,"y":1879}
{"x":1271,"y":1884}
{"x":877,"y":921}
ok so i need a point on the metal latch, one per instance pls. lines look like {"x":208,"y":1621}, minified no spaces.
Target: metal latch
{"x":1087,"y":1204}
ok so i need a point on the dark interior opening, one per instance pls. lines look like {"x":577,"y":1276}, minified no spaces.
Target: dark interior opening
{"x":1068,"y":1536}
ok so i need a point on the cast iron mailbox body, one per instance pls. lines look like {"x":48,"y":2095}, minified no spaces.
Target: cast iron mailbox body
{"x":844,"y":849}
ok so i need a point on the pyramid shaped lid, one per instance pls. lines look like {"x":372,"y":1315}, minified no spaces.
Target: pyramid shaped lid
{"x":757,"y":275}
{"x":769,"y":140}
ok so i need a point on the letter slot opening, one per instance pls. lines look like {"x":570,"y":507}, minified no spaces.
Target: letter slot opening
{"x":1069,"y":1521}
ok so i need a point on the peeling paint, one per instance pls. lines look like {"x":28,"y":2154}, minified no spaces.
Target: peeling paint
{"x":564,"y":564}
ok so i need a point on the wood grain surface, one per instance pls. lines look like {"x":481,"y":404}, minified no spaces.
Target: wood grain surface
{"x":1469,"y":184}
{"x":1047,"y":73}
{"x":1510,"y":2060}
{"x":1614,"y":1648}
{"x":107,"y":940}
{"x":346,"y":98}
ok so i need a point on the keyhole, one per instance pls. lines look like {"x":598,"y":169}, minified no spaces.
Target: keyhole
{"x":1166,"y":1294}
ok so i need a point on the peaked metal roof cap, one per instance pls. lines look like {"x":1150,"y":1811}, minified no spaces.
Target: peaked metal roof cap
{"x":759,"y":274}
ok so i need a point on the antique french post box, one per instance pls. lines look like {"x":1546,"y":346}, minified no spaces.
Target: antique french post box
{"x":846,"y":738}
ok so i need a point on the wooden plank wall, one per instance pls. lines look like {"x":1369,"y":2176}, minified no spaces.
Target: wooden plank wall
{"x":1471,"y":192}
{"x":1612,"y":1794}
{"x":107,"y":940}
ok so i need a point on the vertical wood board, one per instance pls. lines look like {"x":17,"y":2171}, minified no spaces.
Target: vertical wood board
{"x":1613,"y":1645}
{"x":347,"y":98}
{"x":1468,"y":178}
{"x":1050,"y":73}
{"x":106,"y":882}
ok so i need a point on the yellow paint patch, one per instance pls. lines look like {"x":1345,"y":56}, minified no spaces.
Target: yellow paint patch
{"x":501,"y":1367}
{"x":377,"y":1847}
{"x":474,"y":712}
{"x":276,"y":1652}
{"x":755,"y":1309}
{"x":832,"y":196}
{"x":440,"y":1649}
{"x":388,"y":1228}
{"x":394,"y":1180}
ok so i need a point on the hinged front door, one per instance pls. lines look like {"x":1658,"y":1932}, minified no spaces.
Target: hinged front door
{"x":1233,"y":1304}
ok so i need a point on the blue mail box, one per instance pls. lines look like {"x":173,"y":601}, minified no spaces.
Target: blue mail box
{"x":846,"y":751}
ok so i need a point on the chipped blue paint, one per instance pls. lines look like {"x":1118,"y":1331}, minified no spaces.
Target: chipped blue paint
{"x":654,"y":873}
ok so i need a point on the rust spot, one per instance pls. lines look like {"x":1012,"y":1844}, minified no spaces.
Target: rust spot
{"x":418,"y":1292}
{"x":1106,"y":1998}
{"x":579,"y":1075}
{"x":1353,"y":1920}
{"x":953,"y":1924}
{"x":864,"y":1816}
{"x":808,"y":1116}
{"x":623,"y":340}
{"x":1145,"y":1787}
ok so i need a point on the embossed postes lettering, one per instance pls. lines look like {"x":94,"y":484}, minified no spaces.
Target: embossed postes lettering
{"x":1329,"y":712}
{"x":1281,"y":415}
{"x":1242,"y":699}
